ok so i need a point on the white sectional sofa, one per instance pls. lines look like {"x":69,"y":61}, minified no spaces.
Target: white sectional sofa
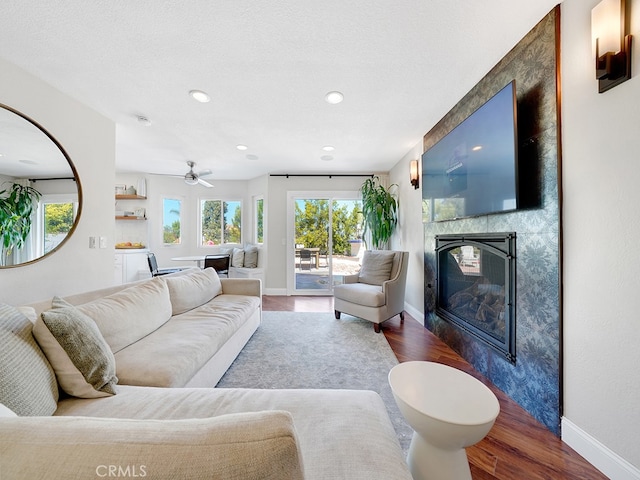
{"x":64,"y":414}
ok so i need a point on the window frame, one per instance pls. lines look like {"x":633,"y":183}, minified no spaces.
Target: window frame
{"x":223,"y":200}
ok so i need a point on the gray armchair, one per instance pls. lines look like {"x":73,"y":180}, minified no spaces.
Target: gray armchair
{"x":376,"y":293}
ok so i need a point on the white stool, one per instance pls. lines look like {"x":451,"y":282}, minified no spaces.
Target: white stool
{"x":448,"y":410}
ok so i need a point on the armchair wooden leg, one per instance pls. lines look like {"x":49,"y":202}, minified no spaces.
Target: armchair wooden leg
{"x":401,"y":318}
{"x":337,"y":313}
{"x":376,"y":327}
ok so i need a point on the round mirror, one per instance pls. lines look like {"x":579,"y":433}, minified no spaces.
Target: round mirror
{"x":40,"y":193}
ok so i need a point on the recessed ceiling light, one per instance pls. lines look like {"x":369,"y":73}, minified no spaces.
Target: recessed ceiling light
{"x":241,"y":147}
{"x":328,"y":148}
{"x":142,"y":120}
{"x":200,"y":96}
{"x":334,"y":97}
{"x":252,"y":157}
{"x":326,"y":158}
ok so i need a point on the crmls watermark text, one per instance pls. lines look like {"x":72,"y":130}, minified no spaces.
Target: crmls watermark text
{"x":118,"y":471}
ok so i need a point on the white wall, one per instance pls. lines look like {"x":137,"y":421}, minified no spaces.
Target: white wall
{"x":601,"y":179}
{"x":410,"y":233}
{"x":89,"y":139}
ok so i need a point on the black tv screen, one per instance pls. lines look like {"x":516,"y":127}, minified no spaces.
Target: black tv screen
{"x":473,"y":169}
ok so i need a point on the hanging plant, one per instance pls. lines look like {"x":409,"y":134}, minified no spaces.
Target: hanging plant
{"x":16,"y":207}
{"x":379,"y":211}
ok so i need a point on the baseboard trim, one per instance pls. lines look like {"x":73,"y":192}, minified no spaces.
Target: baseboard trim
{"x":275,"y":291}
{"x":414,"y":312}
{"x":601,"y":457}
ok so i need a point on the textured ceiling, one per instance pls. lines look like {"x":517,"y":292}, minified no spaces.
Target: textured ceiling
{"x":267,"y":66}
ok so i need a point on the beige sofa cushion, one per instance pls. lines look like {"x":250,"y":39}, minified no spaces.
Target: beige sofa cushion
{"x":193,"y":289}
{"x":130,"y":314}
{"x":173,"y":354}
{"x":80,"y":356}
{"x":376,"y":267}
{"x":244,"y":446}
{"x":27,"y":382}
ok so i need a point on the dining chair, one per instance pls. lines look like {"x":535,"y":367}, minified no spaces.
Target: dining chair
{"x":219,"y":262}
{"x":153,"y":266}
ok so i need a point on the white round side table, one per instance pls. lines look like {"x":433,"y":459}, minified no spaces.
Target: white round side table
{"x":448,"y":410}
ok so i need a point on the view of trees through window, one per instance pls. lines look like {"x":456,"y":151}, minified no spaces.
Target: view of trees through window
{"x":220,"y":222}
{"x":58,"y":221}
{"x":259,"y":220}
{"x":312,"y":224}
{"x":171,"y":221}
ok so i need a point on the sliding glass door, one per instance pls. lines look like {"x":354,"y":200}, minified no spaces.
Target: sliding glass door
{"x":325,"y":232}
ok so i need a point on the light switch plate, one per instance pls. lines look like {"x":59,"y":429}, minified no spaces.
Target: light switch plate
{"x":92,"y":242}
{"x":103,"y":242}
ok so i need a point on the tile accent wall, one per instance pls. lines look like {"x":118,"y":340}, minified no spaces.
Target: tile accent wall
{"x":535,"y":380}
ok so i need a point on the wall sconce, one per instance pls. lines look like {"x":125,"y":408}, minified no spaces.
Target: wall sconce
{"x":612,"y":44}
{"x":413,"y":174}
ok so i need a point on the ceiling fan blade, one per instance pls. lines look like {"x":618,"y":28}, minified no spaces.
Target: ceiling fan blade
{"x":204,"y":183}
{"x":204,"y":173}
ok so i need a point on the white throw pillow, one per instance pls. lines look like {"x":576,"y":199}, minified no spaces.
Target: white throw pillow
{"x":81,"y":358}
{"x":237,"y":259}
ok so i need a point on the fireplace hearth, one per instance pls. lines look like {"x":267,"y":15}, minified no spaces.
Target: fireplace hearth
{"x":475,"y":284}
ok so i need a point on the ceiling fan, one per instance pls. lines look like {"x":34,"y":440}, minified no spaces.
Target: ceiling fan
{"x":193,"y":178}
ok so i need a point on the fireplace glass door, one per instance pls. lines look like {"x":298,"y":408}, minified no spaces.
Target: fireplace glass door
{"x":475,"y":281}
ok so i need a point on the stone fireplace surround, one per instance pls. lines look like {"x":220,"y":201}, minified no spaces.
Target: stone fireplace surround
{"x":534,"y":381}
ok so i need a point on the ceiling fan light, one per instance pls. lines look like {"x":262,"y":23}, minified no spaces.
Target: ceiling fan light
{"x":190,"y":179}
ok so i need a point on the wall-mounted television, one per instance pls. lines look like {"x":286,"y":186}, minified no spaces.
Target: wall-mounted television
{"x":473,"y":169}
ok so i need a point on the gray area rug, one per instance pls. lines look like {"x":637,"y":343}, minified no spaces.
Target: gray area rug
{"x":314,"y":350}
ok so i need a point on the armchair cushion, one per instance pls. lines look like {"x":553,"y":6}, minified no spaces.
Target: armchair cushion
{"x":360,"y":294}
{"x":240,"y":446}
{"x":376,"y":267}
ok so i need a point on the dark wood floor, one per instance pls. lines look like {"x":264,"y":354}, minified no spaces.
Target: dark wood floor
{"x":517,"y":448}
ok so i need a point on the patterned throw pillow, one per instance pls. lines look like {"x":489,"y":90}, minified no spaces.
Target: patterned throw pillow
{"x":80,"y":356}
{"x":27,"y":383}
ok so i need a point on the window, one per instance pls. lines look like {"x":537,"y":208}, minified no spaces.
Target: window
{"x":220,"y":222}
{"x":259,"y":220}
{"x":171,"y":209}
{"x":58,"y":221}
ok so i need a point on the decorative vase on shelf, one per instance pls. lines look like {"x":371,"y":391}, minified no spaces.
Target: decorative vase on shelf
{"x":142,"y":187}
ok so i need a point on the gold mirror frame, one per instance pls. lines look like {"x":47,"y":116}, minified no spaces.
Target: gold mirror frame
{"x":74,"y":173}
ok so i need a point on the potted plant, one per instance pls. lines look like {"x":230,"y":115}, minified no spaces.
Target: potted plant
{"x":379,"y":211}
{"x":16,"y":206}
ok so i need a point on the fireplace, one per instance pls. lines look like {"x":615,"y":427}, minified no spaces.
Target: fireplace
{"x":476,"y":286}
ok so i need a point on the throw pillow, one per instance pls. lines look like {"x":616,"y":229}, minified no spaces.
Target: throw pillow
{"x":80,"y":356}
{"x":27,"y":383}
{"x":376,"y":267}
{"x":192,"y":290}
{"x":237,"y":259}
{"x":250,"y":256}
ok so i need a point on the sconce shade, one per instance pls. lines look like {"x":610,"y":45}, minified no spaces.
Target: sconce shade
{"x":612,"y":46}
{"x":414,"y":174}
